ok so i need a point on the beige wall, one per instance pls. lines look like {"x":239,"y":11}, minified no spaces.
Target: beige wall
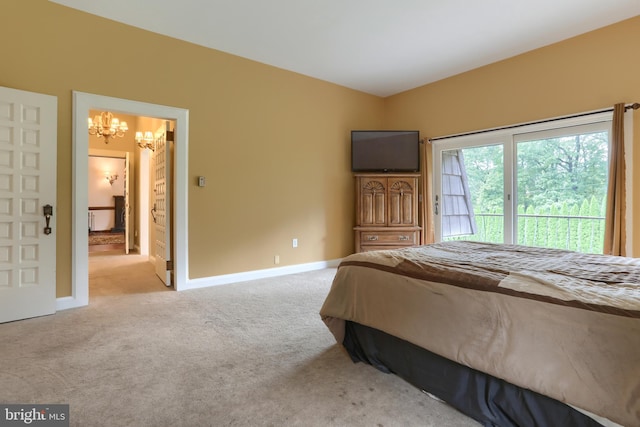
{"x":585,"y":73}
{"x":274,"y":145}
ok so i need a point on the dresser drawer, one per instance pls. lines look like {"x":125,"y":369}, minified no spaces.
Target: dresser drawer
{"x":389,"y":238}
{"x":376,"y":238}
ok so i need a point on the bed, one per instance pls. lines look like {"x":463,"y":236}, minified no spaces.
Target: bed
{"x":510,"y":335}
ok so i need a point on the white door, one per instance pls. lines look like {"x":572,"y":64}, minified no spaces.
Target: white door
{"x":127,"y":205}
{"x":28,"y":139}
{"x":162,"y":205}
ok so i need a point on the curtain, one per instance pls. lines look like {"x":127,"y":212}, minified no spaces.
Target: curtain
{"x":615,"y":227}
{"x":426,"y":205}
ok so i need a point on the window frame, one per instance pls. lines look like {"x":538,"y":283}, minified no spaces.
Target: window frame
{"x":508,"y":137}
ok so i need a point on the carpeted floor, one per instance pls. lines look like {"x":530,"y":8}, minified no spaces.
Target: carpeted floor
{"x":247,"y":354}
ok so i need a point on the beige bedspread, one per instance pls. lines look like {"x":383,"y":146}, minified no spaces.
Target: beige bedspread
{"x":563,"y":324}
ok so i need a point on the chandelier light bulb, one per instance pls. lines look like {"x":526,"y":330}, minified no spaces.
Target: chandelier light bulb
{"x":106,"y":126}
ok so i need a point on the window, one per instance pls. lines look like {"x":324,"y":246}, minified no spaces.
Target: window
{"x":537,"y":185}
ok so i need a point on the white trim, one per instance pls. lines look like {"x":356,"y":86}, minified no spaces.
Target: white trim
{"x":82,"y":103}
{"x":486,"y":137}
{"x":533,"y":125}
{"x":65,"y":303}
{"x":226,"y":279}
{"x":597,"y":126}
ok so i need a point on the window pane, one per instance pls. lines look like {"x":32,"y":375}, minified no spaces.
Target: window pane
{"x":561,"y":191}
{"x":472,"y":194}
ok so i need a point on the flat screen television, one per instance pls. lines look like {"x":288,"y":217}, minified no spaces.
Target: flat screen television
{"x":385,"y":151}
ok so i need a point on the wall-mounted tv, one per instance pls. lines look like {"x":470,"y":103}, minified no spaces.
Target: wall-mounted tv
{"x":385,"y":151}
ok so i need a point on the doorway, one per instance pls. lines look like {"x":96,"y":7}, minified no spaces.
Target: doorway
{"x":108,"y":182}
{"x":82,"y":103}
{"x":129,"y":172}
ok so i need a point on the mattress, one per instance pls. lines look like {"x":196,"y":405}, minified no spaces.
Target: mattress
{"x":563,"y":324}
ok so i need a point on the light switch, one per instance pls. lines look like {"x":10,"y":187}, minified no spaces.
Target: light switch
{"x":201,"y":181}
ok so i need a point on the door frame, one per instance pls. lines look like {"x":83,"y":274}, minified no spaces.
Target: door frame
{"x":82,"y":103}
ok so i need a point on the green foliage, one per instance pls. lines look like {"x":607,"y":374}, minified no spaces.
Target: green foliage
{"x":574,"y":223}
{"x":485,"y":172}
{"x":555,"y":170}
{"x":542,"y":234}
{"x":579,"y":227}
{"x":553,"y":227}
{"x":561,"y":191}
{"x":529,"y":227}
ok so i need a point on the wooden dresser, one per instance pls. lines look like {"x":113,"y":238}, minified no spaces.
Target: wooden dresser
{"x":386,"y":211}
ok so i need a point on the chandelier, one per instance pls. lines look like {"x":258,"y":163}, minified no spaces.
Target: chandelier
{"x":107,"y":126}
{"x":145,"y":140}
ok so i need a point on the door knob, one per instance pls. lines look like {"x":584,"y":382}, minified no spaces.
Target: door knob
{"x":48,"y":213}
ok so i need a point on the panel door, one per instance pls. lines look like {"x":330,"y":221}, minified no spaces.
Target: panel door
{"x":127,"y":204}
{"x":28,"y":139}
{"x":162,"y":208}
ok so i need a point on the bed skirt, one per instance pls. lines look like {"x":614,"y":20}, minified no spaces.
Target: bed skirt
{"x":486,"y":399}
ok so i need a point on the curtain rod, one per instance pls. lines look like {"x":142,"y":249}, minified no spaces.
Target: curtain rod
{"x":633,"y":106}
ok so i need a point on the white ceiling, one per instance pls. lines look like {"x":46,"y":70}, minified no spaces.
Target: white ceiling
{"x":380,"y":47}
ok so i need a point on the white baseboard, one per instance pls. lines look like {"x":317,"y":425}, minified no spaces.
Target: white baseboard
{"x":65,"y":303}
{"x":226,"y":279}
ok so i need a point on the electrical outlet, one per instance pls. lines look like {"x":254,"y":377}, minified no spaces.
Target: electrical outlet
{"x":276,"y":259}
{"x":294,"y":243}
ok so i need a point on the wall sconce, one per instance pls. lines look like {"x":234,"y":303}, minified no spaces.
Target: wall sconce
{"x":145,"y":140}
{"x":106,"y":126}
{"x":110,"y":178}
